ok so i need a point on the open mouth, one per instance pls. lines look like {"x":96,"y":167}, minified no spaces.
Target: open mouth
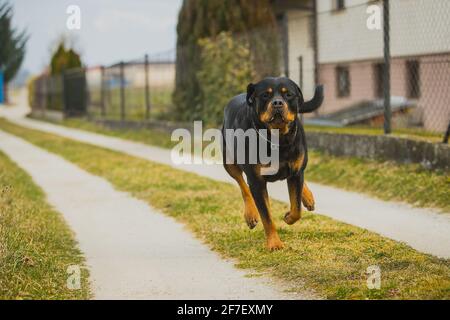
{"x":277,"y":118}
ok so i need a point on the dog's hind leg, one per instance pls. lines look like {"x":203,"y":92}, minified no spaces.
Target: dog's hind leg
{"x":250,"y":211}
{"x":307,"y":198}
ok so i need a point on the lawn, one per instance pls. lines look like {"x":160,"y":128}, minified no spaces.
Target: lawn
{"x":385,"y":180}
{"x":36,"y":245}
{"x":323,"y":254}
{"x":409,"y":133}
{"x":134,"y":102}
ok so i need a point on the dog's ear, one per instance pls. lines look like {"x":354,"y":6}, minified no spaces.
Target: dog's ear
{"x":250,"y":94}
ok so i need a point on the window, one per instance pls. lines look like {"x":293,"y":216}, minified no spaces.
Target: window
{"x":379,"y":80}
{"x":343,"y":81}
{"x":338,"y":5}
{"x":413,"y":78}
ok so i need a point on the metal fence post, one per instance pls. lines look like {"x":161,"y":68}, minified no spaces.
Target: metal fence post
{"x":102,"y":91}
{"x":447,"y":134}
{"x":122,"y":91}
{"x":315,"y":36}
{"x":147,"y":89}
{"x":387,"y":68}
{"x":48,"y":100}
{"x":64,"y":90}
{"x":45,"y":93}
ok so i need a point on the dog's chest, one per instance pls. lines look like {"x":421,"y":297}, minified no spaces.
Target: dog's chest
{"x":285,"y":170}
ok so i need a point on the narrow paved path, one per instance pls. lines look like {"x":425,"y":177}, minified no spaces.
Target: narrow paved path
{"x":134,"y":252}
{"x":422,"y":229}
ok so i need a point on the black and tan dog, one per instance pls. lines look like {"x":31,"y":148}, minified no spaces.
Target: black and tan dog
{"x":273,"y":103}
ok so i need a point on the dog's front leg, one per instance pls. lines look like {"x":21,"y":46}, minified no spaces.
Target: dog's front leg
{"x":250,"y":211}
{"x":308,"y":198}
{"x":261,"y":197}
{"x":295,"y":186}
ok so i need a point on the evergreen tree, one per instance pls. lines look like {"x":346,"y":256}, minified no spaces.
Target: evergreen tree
{"x":12,"y":45}
{"x":252,"y":20}
{"x":64,"y":59}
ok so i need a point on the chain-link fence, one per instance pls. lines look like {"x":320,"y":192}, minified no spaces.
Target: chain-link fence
{"x":384,"y":64}
{"x":360,"y":57}
{"x":136,"y":90}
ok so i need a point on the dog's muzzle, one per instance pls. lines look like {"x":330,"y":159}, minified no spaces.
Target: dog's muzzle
{"x":278,"y":110}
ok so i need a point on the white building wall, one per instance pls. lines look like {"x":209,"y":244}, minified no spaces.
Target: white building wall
{"x":418,"y":27}
{"x":343,"y":35}
{"x":300,"y":45}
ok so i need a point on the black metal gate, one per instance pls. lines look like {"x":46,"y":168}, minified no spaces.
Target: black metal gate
{"x":75,"y":97}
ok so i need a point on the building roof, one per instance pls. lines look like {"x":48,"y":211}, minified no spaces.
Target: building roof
{"x":360,"y":112}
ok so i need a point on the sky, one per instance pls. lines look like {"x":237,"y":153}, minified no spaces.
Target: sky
{"x":111,"y":30}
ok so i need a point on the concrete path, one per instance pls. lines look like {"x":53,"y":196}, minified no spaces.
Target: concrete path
{"x":423,"y":229}
{"x":134,"y":252}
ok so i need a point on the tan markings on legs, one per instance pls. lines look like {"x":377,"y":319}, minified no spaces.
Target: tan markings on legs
{"x":298,"y":163}
{"x":250,"y":210}
{"x":273,"y":240}
{"x":295,"y":212}
{"x":308,"y":198}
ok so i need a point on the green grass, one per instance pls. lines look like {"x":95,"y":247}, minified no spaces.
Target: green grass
{"x":36,"y":246}
{"x":151,"y":137}
{"x":327,"y":256}
{"x":385,"y":180}
{"x":409,"y":133}
{"x":135,"y":109}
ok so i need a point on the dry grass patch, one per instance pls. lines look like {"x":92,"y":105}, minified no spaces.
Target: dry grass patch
{"x":328,"y":256}
{"x":36,"y":245}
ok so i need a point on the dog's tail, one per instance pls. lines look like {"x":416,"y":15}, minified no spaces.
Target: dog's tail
{"x":315,"y":102}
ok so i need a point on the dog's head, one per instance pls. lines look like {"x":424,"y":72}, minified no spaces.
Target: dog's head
{"x":277,"y":101}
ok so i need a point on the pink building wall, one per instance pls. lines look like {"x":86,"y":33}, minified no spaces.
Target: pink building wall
{"x":435,"y":99}
{"x":433,"y":104}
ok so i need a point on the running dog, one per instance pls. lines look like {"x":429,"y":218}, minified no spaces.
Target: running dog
{"x":271,"y":104}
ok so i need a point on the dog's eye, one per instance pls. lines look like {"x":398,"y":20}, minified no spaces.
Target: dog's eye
{"x":266,"y":95}
{"x":289,"y":95}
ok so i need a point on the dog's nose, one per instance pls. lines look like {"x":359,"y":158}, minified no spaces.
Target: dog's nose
{"x":277,"y":103}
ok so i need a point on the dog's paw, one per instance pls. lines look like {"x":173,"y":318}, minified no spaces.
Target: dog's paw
{"x":290,"y":218}
{"x":274,"y":243}
{"x":251,"y":221}
{"x":251,"y":215}
{"x":308,"y":199}
{"x":309,"y":205}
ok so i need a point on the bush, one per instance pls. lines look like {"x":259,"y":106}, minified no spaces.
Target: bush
{"x":31,"y":94}
{"x":64,"y":59}
{"x":225,"y":71}
{"x":198,"y":19}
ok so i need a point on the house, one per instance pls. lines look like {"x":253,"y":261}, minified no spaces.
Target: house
{"x":329,"y":42}
{"x":161,"y":74}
